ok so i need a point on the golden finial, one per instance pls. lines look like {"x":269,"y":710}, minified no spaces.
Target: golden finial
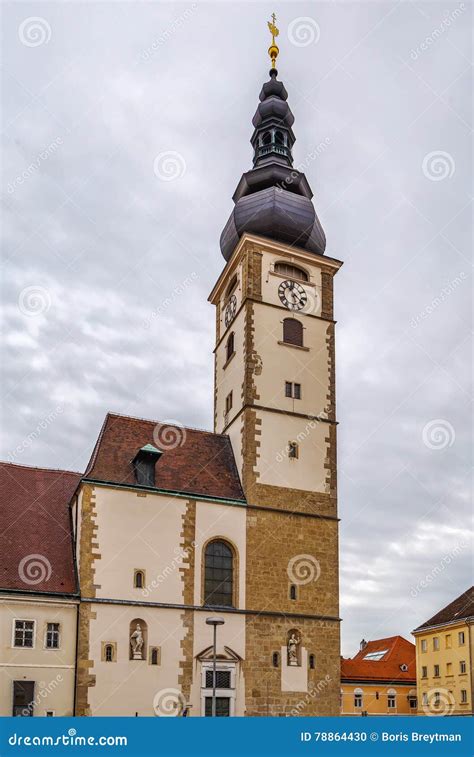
{"x":273,"y":49}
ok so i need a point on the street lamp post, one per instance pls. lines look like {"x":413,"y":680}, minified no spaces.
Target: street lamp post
{"x":214,"y":622}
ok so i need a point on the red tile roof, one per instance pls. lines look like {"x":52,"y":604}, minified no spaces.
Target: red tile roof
{"x":387,"y":670}
{"x":193,"y":461}
{"x":460,"y":608}
{"x":36,"y":545}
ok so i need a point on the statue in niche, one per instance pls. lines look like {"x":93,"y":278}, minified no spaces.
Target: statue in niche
{"x":136,"y":643}
{"x":293,"y":648}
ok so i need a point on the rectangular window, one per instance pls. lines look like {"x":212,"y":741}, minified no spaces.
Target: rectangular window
{"x":222,"y":679}
{"x":391,"y":701}
{"x":222,"y":707}
{"x":424,"y":672}
{"x":449,"y":668}
{"x":292,"y":390}
{"x":424,"y":698}
{"x":228,"y":402}
{"x":447,"y":641}
{"x":424,"y":645}
{"x":50,"y":713}
{"x":413,"y":703}
{"x":461,"y":638}
{"x":436,"y":671}
{"x":463,"y":696}
{"x":435,"y":643}
{"x":24,"y":633}
{"x":23,"y":699}
{"x":462,"y":666}
{"x":52,"y":636}
{"x":357,"y":700}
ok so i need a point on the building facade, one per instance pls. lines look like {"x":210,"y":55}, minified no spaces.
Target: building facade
{"x":173,"y":526}
{"x":39,"y":595}
{"x":380,"y":679}
{"x":444,"y":659}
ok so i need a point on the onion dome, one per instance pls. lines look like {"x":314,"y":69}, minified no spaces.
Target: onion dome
{"x":273,"y":199}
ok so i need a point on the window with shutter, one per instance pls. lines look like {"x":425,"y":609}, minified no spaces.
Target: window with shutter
{"x":293,"y":331}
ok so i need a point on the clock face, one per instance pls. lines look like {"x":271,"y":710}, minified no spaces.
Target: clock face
{"x":292,"y":295}
{"x":230,"y":310}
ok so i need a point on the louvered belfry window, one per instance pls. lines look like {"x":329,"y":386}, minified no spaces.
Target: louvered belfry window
{"x":293,"y":331}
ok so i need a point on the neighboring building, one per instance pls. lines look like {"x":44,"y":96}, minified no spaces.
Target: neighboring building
{"x":444,"y":659}
{"x":380,"y":679}
{"x":38,"y":592}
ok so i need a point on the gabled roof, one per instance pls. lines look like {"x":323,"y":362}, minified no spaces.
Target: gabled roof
{"x":193,"y":461}
{"x":398,"y":651}
{"x":460,"y":608}
{"x":36,"y":544}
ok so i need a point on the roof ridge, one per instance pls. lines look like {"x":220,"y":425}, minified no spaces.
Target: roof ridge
{"x":163,"y":423}
{"x":41,"y":467}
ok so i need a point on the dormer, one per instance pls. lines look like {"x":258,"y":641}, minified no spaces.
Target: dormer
{"x":144,"y":465}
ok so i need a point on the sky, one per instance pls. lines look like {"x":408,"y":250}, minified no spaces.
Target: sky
{"x":125,"y":130}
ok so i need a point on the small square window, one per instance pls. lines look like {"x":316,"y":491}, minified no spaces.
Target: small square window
{"x":49,"y":713}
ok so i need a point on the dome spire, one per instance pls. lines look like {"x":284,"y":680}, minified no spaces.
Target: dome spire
{"x":273,"y":50}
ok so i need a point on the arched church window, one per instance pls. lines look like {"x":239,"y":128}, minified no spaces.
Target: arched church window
{"x":293,"y":332}
{"x":279,"y":138}
{"x":218,"y":574}
{"x":291,"y":271}
{"x":109,"y":653}
{"x":267,"y":138}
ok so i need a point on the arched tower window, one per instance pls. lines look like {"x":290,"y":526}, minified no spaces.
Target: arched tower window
{"x":267,"y":138}
{"x":291,"y":271}
{"x":230,"y":346}
{"x":109,"y":653}
{"x":279,"y":138}
{"x":293,"y":331}
{"x":218,"y":574}
{"x":139,"y":579}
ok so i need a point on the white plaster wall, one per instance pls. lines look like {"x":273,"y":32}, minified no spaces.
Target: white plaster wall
{"x":231,"y":378}
{"x":273,"y":464}
{"x":52,"y":670}
{"x":139,"y":532}
{"x":285,"y":363}
{"x":294,"y":678}
{"x":128,"y":686}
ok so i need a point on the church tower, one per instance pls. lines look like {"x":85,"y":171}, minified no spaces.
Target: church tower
{"x":275,"y":399}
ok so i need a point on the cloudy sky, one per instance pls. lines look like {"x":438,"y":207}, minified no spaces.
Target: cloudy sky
{"x":110,"y":248}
